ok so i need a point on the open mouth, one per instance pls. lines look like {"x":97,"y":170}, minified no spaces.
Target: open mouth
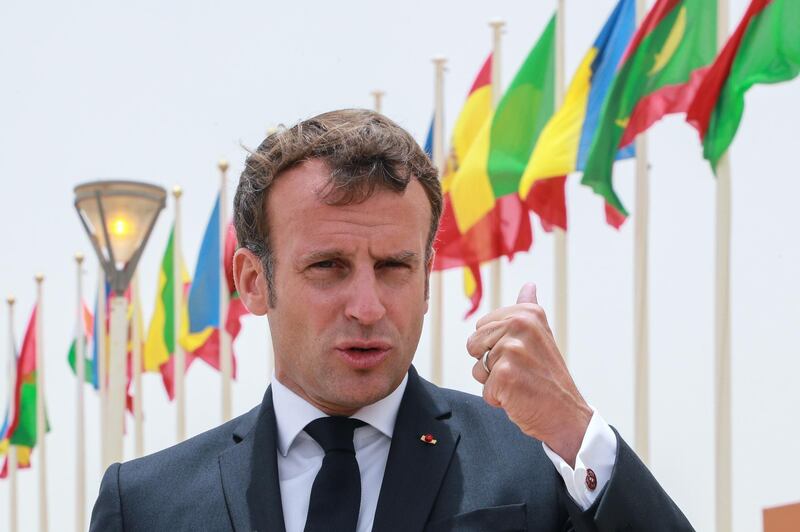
{"x":364,"y":349}
{"x":363,"y":355}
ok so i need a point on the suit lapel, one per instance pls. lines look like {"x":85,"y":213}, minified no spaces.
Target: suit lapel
{"x":249,"y":472}
{"x":415,"y":470}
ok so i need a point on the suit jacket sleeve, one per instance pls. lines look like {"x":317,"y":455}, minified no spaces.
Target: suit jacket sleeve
{"x":107,"y":512}
{"x":631,"y":500}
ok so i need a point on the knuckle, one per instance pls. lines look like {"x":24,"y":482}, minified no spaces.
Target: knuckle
{"x":534,"y":310}
{"x":511,"y":347}
{"x":538,"y":312}
{"x":519,"y":321}
{"x":516,"y":347}
{"x":503,"y":371}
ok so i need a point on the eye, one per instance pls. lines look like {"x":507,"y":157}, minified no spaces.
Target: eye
{"x":324,"y":264}
{"x":394,"y":264}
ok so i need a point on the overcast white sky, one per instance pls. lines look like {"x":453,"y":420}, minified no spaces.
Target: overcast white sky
{"x":160,"y":91}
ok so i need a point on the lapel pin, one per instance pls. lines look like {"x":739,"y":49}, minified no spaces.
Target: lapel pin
{"x":428,"y":438}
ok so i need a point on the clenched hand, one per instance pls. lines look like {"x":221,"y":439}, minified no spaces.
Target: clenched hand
{"x":528,"y":377}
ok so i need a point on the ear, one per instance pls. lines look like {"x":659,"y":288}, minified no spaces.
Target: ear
{"x":251,"y":281}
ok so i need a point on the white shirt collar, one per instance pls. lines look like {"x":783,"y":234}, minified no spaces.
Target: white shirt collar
{"x":293,"y":413}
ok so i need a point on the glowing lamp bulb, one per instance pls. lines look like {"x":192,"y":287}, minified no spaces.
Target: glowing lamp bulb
{"x":120,"y":226}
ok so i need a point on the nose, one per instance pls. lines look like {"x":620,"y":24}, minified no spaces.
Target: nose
{"x":364,"y":303}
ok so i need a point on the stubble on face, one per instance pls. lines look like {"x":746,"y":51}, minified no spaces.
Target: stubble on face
{"x":350,"y":283}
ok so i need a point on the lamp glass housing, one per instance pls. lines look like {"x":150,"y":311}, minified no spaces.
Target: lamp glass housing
{"x":119,"y":216}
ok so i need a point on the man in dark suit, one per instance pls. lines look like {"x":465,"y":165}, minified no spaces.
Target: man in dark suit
{"x":336,"y":218}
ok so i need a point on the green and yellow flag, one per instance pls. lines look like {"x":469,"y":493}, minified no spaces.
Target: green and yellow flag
{"x":160,"y":344}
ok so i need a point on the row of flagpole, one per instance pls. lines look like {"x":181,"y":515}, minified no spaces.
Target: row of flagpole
{"x":111,"y":442}
{"x":641,"y":305}
{"x":40,"y":421}
{"x":110,"y":362}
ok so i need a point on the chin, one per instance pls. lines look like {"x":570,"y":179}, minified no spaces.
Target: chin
{"x":363,"y":391}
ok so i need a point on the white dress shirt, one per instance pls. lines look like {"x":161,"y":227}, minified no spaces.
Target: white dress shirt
{"x":300,"y":457}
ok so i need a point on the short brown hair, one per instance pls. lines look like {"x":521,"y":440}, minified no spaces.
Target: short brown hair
{"x":363,"y":149}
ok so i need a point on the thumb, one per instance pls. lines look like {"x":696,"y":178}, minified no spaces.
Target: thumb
{"x":527,"y":294}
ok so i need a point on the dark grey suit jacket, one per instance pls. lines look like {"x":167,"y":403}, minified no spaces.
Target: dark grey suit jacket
{"x":482,"y":474}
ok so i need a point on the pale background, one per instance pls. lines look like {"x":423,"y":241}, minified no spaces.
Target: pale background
{"x":160,"y":91}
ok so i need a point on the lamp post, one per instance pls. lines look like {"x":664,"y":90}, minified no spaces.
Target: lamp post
{"x":118,"y":216}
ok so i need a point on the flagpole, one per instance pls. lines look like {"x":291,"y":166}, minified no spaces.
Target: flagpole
{"x":118,"y":354}
{"x":136,"y":363}
{"x":641,"y":306}
{"x":495,"y":272}
{"x":437,"y":310}
{"x":378,"y":95}
{"x":102,"y":371}
{"x":80,"y":372}
{"x":722,"y":328}
{"x":12,"y":449}
{"x":722,"y":363}
{"x":560,"y":236}
{"x":225,"y":354}
{"x":41,"y":426}
{"x":177,"y":297}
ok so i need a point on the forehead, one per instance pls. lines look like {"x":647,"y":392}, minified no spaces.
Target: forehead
{"x":299,"y":218}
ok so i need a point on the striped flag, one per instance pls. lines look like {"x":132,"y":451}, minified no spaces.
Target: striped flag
{"x":453,"y":248}
{"x":564,"y":143}
{"x":483,"y":204}
{"x":160,"y":343}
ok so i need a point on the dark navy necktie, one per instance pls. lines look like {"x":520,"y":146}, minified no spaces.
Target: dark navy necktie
{"x":336,"y":493}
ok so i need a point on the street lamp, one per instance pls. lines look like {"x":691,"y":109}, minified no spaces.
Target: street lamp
{"x":118,"y":216}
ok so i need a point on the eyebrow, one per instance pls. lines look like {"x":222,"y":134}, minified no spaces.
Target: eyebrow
{"x":405,"y":256}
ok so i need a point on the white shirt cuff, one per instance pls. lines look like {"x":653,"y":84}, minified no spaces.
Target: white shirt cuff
{"x":597,"y":454}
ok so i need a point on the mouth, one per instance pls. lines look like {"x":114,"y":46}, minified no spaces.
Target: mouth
{"x":363,"y":354}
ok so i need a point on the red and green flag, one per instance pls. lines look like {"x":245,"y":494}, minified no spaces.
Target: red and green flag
{"x":22,"y":430}
{"x":482,"y":206}
{"x":659,"y":74}
{"x":765,"y":48}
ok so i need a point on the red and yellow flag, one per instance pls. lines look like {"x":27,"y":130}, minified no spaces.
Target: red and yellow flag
{"x":484,"y":217}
